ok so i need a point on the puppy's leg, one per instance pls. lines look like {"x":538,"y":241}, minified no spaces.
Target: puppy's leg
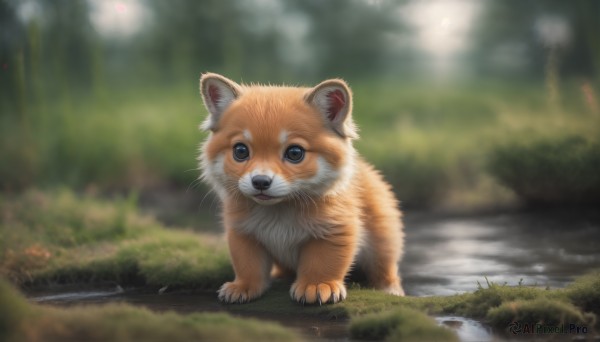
{"x":251,"y":264}
{"x":382,"y":255}
{"x":321,"y":270}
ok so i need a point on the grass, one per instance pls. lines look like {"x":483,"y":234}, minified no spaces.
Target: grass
{"x":585,"y":292}
{"x":555,"y":171}
{"x":124,"y":141}
{"x":401,"y":324}
{"x":374,"y":315}
{"x":432,"y":143}
{"x":540,"y":311}
{"x":59,"y":237}
{"x":62,"y":238}
{"x":22,"y":321}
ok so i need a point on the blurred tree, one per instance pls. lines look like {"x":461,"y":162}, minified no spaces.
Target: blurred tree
{"x":350,"y":37}
{"x":344,"y":37}
{"x":259,"y":40}
{"x":190,"y":36}
{"x":11,"y":58}
{"x":55,"y":42}
{"x":511,"y":33}
{"x":588,"y":13}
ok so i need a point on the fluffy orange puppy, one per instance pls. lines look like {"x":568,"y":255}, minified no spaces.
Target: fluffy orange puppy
{"x":297,"y":198}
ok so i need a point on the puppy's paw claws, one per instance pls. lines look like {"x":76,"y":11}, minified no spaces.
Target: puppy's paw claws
{"x":320,"y":292}
{"x":235,"y":292}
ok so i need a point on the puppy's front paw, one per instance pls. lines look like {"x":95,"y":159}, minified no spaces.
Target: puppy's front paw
{"x":318,"y":292}
{"x":237,"y":292}
{"x":395,"y":290}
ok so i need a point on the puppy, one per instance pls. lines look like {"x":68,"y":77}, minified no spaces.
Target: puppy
{"x":297,"y":198}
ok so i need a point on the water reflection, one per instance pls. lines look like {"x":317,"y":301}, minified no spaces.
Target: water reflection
{"x":468,"y":330}
{"x":450,"y":255}
{"x":79,"y":296}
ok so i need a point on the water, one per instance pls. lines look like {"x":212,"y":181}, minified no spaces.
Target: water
{"x":76,"y":296}
{"x":314,"y":328}
{"x":444,"y":256}
{"x":468,"y":330}
{"x":449,"y":255}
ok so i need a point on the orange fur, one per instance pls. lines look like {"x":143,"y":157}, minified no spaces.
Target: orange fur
{"x":320,"y":216}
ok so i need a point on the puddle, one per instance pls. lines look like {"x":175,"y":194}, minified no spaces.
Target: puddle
{"x":313,"y":328}
{"x":468,"y":330}
{"x":76,"y":296}
{"x":446,"y":256}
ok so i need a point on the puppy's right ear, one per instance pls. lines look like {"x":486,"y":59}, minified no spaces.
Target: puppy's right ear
{"x":218,"y":93}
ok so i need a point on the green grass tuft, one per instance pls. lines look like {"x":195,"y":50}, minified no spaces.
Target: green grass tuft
{"x":538,"y":311}
{"x":13,"y":308}
{"x":400,"y":324}
{"x":478,"y":303}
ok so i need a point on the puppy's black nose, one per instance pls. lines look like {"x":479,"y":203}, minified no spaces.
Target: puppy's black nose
{"x":261,"y":182}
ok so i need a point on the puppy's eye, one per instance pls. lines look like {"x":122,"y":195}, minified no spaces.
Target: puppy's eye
{"x":294,"y":154}
{"x":240,"y":152}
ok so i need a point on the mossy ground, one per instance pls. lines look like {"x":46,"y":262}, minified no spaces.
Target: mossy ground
{"x":21,"y":321}
{"x":401,"y":324}
{"x":59,"y":237}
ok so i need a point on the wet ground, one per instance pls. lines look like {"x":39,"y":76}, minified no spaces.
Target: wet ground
{"x":449,"y":255}
{"x":445,"y":255}
{"x":314,"y":328}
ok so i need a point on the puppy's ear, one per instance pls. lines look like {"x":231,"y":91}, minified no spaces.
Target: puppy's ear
{"x":333,"y":99}
{"x":218,"y":93}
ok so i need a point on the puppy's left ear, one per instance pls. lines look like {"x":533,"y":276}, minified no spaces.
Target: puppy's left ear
{"x":218,"y":93}
{"x":333,"y":99}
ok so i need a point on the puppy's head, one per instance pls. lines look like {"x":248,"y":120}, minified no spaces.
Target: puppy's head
{"x":274,"y":144}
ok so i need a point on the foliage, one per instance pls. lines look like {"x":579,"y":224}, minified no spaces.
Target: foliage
{"x":584,"y":292}
{"x":124,"y":143}
{"x":563,"y":170}
{"x":148,"y":139}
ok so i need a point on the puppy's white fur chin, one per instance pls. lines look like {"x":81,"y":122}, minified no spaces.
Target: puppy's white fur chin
{"x":271,"y":201}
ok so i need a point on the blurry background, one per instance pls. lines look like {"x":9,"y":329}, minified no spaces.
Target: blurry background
{"x":464,"y":105}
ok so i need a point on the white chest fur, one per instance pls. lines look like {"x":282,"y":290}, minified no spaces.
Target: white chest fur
{"x":282,"y":229}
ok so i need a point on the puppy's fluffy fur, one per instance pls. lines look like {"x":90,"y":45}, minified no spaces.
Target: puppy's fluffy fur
{"x":297,"y":199}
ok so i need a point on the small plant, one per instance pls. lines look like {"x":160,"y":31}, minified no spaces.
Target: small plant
{"x":561,"y":170}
